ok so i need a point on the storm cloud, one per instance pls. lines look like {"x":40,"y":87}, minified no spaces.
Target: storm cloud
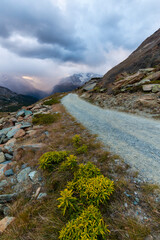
{"x":71,"y":36}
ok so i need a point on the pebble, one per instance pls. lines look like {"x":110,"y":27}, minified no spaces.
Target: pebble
{"x":41,"y":195}
{"x":9,"y":173}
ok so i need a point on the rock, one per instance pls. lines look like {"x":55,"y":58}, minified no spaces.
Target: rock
{"x":23,"y":113}
{"x":31,"y":132}
{"x":13,"y":131}
{"x":2,"y":120}
{"x":8,"y":156}
{"x":9,"y":173}
{"x":5,"y":222}
{"x":26,"y":125}
{"x":20,"y":133}
{"x":7,"y":197}
{"x":34,"y":176}
{"x":2,"y":157}
{"x":41,"y":195}
{"x":3,"y":138}
{"x":147,"y":88}
{"x":89,"y":87}
{"x":32,"y":146}
{"x":3,"y":183}
{"x":156,"y":88}
{"x":37,"y":192}
{"x":145,"y":70}
{"x":6,"y":211}
{"x":23,"y":175}
{"x":149,"y":238}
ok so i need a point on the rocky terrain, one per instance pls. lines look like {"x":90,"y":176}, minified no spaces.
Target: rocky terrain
{"x":72,"y":82}
{"x":17,"y":136}
{"x":136,"y":93}
{"x":11,"y":101}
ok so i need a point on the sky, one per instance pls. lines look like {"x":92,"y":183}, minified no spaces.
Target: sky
{"x":42,"y":41}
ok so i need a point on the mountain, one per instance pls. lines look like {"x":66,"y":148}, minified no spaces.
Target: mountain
{"x":72,"y":82}
{"x":21,"y":86}
{"x":11,"y":101}
{"x":145,"y":56}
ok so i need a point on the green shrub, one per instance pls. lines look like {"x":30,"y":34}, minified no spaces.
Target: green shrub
{"x":67,"y":201}
{"x":49,"y":160}
{"x":88,"y":170}
{"x":76,"y":140}
{"x":53,"y":100}
{"x":88,"y":226}
{"x":69,"y":164}
{"x":41,"y":118}
{"x":82,"y":149}
{"x":94,"y":190}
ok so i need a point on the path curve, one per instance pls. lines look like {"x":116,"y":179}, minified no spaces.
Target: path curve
{"x":135,"y":139}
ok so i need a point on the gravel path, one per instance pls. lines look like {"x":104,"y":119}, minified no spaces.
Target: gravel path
{"x":135,"y":139}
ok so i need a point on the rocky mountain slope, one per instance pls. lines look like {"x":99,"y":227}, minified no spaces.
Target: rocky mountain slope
{"x":133,"y":85}
{"x":145,"y":56}
{"x":11,"y":101}
{"x":72,"y":82}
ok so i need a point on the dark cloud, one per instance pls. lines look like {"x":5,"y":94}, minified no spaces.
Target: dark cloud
{"x":44,"y":22}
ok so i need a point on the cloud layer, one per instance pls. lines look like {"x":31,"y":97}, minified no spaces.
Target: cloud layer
{"x":70,"y":36}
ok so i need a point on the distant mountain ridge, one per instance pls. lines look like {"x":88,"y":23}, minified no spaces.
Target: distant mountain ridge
{"x":145,"y":56}
{"x":11,"y":101}
{"x":20,"y":86}
{"x":74,"y":81}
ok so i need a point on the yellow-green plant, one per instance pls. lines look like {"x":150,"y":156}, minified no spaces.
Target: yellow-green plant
{"x":82,"y":149}
{"x":69,"y":164}
{"x":67,"y":201}
{"x":76,"y":139}
{"x":88,"y":170}
{"x":50,"y":159}
{"x":94,"y":190}
{"x":88,"y":226}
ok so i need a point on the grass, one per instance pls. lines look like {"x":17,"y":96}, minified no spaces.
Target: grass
{"x":41,"y":119}
{"x":43,"y":220}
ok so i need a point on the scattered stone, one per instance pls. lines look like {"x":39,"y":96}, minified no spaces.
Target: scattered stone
{"x":23,"y":175}
{"x":147,"y":88}
{"x":13,"y":131}
{"x":7,"y":197}
{"x":24,"y":166}
{"x":9,"y":173}
{"x":8,"y":156}
{"x":37,"y":192}
{"x":34,"y":176}
{"x":23,"y":113}
{"x":26,"y":125}
{"x":149,"y":238}
{"x":5,"y":222}
{"x":2,"y":157}
{"x":6,"y":211}
{"x":32,"y":146}
{"x":31,"y":132}
{"x":42,"y":195}
{"x":156,"y":88}
{"x":3,"y":183}
{"x":46,"y":133}
{"x":20,"y":133}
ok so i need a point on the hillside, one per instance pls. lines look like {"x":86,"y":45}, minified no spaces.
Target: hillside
{"x":11,"y":101}
{"x":145,"y":56}
{"x":133,"y":85}
{"x":49,"y":166}
{"x":72,"y":82}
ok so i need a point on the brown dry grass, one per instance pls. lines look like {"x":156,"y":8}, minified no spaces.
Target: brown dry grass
{"x":42,"y":220}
